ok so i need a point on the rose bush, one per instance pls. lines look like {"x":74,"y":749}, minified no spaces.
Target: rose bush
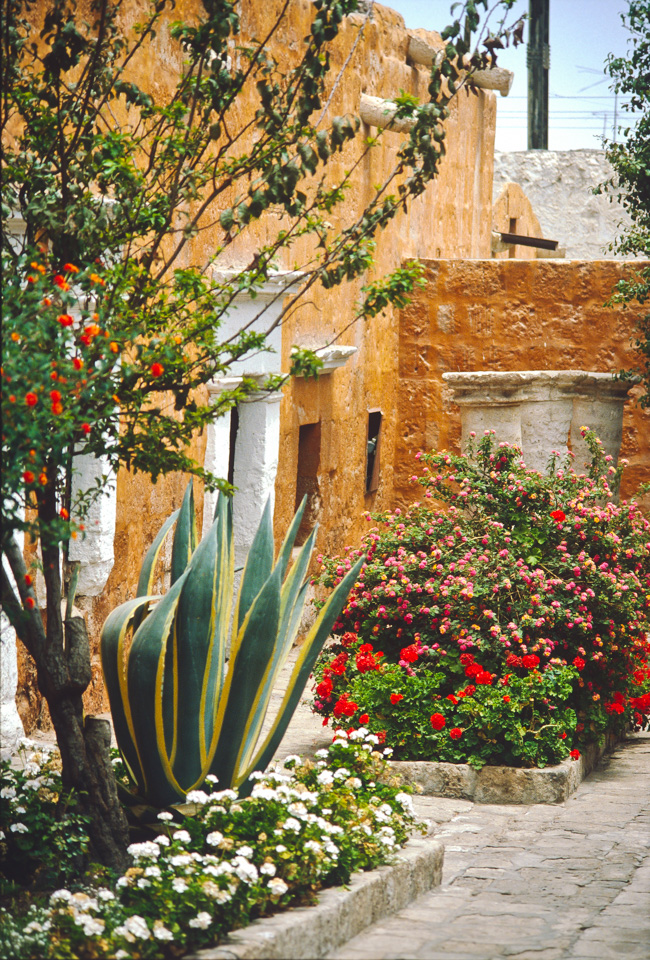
{"x":512,"y":604}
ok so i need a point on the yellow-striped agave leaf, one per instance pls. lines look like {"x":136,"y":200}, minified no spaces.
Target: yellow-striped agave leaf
{"x":253,"y":649}
{"x":202,"y":622}
{"x":113,"y":656}
{"x":257,"y":569}
{"x":185,"y":536}
{"x":292,"y":600}
{"x":154,"y":708}
{"x":307,"y":655}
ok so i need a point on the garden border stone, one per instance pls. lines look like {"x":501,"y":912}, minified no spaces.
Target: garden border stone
{"x":341,"y":912}
{"x":499,"y":785}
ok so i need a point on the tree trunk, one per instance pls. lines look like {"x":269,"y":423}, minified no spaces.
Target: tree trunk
{"x":84,"y":745}
{"x":62,"y":656}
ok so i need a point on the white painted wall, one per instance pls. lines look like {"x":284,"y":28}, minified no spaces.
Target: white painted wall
{"x":559,"y":185}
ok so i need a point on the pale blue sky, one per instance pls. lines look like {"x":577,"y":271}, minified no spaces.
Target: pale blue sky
{"x":582,"y":33}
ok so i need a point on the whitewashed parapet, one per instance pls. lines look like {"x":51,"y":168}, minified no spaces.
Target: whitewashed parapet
{"x":496,"y":78}
{"x":381,"y":113}
{"x":542,"y":410}
{"x":333,"y":357}
{"x":258,"y":314}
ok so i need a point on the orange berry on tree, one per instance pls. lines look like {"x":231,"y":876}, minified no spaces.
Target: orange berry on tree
{"x":28,"y":476}
{"x":157,"y":369}
{"x":31,"y":399}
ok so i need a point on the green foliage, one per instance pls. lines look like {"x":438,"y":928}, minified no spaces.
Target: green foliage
{"x":307,"y":825}
{"x":179,"y":715}
{"x":43,"y":840}
{"x":630,"y":158}
{"x":525,"y":586}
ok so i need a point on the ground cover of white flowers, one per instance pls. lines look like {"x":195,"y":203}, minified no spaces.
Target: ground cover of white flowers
{"x":307,"y":825}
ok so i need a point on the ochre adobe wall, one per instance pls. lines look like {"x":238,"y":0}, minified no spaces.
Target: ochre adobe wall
{"x":452,"y":218}
{"x":509,"y":315}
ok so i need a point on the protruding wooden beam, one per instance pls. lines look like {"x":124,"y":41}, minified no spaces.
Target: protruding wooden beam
{"x":381,"y":113}
{"x":497,"y":78}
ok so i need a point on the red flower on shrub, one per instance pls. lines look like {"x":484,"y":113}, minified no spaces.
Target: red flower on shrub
{"x":512,"y":660}
{"x":396,"y":697}
{"x":466,"y":659}
{"x":337,"y":665}
{"x":506,"y":699}
{"x":455,"y":733}
{"x":530,"y":661}
{"x":28,"y":476}
{"x":324,"y":688}
{"x":558,"y":515}
{"x":452,"y":698}
{"x":364,"y":718}
{"x":157,"y":369}
{"x":348,"y":639}
{"x":579,"y":663}
{"x":438,"y":721}
{"x":31,"y":399}
{"x":484,"y":678}
{"x":575,"y":754}
{"x":473,"y":670}
{"x":410,"y":653}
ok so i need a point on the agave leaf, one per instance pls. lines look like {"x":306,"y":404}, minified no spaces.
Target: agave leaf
{"x":201,"y":628}
{"x":248,"y":665}
{"x":154,"y":715}
{"x":287,"y":545}
{"x":307,"y":655}
{"x":145,"y":581}
{"x":291,"y":607}
{"x":257,"y":568}
{"x":185,"y":537}
{"x":112,"y":650}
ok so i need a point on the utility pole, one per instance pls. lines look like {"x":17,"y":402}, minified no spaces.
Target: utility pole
{"x":539,"y":62}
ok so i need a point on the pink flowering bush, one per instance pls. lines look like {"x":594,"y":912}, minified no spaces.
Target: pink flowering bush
{"x":513,"y":605}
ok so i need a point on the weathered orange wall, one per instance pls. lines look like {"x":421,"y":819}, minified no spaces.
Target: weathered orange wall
{"x":452,"y":218}
{"x":509,"y":315}
{"x":513,"y":204}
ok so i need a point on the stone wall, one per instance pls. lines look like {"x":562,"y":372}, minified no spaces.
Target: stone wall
{"x":559,"y":185}
{"x":508,"y":315}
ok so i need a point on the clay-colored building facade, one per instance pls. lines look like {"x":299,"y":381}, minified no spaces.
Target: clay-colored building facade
{"x":474,"y":313}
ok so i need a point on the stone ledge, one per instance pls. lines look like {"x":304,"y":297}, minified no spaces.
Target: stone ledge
{"x":341,"y":912}
{"x":501,"y":784}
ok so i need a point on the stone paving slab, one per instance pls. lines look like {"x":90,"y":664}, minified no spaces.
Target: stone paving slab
{"x":564,"y":882}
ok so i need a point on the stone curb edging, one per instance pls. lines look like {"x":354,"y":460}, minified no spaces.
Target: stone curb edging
{"x":341,"y":912}
{"x":501,"y":785}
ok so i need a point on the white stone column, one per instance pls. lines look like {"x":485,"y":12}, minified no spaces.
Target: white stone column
{"x":11,"y":727}
{"x":94,"y":551}
{"x":217,"y":449}
{"x":256,"y":465}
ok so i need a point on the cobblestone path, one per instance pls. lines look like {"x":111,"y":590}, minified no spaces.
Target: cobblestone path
{"x":546,"y":882}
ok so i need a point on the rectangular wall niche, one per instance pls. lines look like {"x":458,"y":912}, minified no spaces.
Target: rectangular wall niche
{"x":373,"y":450}
{"x":307,"y":477}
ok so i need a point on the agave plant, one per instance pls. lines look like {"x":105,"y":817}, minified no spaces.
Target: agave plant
{"x":181,"y":710}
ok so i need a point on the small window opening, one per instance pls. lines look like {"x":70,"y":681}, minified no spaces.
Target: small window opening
{"x":307,"y":478}
{"x":234,"y":428}
{"x":372,"y":450}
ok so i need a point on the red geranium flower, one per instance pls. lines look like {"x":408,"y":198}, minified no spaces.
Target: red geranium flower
{"x":348,"y":639}
{"x":530,"y":661}
{"x":364,"y":718}
{"x":31,"y":399}
{"x":157,"y":369}
{"x":28,"y":476}
{"x":558,"y":515}
{"x":575,"y":754}
{"x":438,"y":721}
{"x":65,"y":320}
{"x":324,"y":688}
{"x":579,"y":663}
{"x":410,"y":654}
{"x":85,"y":427}
{"x":506,"y":699}
{"x":512,"y":660}
{"x":396,"y":697}
{"x":70,"y":268}
{"x":455,"y":733}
